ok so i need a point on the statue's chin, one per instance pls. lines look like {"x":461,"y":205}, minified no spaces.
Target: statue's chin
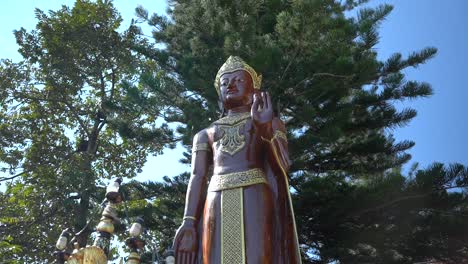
{"x":233,"y":101}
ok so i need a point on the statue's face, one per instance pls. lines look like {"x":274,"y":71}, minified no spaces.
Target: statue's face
{"x":236,"y":89}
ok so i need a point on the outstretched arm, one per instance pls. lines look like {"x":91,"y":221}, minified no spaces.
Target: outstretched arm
{"x":272,"y":130}
{"x":186,"y":239}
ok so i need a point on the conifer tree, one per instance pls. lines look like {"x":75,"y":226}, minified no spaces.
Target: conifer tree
{"x":320,"y":66}
{"x":338,"y":102}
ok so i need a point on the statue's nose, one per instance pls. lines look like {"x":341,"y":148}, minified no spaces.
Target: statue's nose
{"x":232,"y":83}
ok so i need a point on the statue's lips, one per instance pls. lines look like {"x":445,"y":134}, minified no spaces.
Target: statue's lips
{"x":232,"y":91}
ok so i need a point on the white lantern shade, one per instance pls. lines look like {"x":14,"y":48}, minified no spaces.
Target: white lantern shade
{"x":135,"y":230}
{"x":170,"y":260}
{"x":61,"y":243}
{"x":113,"y":187}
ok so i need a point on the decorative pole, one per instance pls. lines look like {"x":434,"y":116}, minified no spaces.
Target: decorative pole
{"x":98,"y":252}
{"x":134,"y":242}
{"x":105,"y":227}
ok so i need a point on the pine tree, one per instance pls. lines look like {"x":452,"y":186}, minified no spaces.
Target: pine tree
{"x":392,"y":218}
{"x":338,"y":101}
{"x":318,"y":64}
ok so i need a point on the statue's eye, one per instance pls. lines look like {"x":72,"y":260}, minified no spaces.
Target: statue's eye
{"x":240,"y":79}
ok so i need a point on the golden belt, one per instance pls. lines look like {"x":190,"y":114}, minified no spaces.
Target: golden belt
{"x":232,"y":211}
{"x":233,"y":180}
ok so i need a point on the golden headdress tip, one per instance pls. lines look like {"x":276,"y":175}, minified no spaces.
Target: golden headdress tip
{"x":234,"y":63}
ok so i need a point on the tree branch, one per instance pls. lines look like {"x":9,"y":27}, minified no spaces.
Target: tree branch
{"x":103,"y":86}
{"x":111,"y":96}
{"x":72,"y":109}
{"x":14,"y":176}
{"x":404,"y":198}
{"x":391,"y":203}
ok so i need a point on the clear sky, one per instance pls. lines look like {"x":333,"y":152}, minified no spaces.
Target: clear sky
{"x":439,"y":130}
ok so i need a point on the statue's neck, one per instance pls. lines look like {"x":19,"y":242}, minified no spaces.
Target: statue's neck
{"x":239,"y":109}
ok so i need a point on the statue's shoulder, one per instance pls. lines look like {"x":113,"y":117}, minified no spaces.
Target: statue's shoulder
{"x":203,"y":136}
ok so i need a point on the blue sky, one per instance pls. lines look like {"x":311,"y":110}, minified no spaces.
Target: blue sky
{"x":439,"y":130}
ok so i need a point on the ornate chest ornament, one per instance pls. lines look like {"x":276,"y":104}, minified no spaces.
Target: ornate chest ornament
{"x":233,"y":139}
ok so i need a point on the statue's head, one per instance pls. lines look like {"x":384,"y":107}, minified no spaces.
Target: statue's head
{"x":236,"y":82}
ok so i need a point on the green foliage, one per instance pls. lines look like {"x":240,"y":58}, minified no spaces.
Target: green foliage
{"x":8,"y":249}
{"x":338,"y":101}
{"x":161,"y":205}
{"x":319,"y":65}
{"x":391,"y":218}
{"x":73,"y":113}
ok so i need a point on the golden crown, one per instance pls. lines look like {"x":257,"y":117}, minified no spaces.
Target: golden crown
{"x":234,"y":63}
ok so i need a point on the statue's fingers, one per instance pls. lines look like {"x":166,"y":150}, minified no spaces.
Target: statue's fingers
{"x":181,"y":258}
{"x":268,"y":99}
{"x":255,"y":104}
{"x":265,"y":101}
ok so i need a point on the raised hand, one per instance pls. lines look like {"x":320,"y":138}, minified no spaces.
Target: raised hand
{"x":262,"y":109}
{"x":186,"y":243}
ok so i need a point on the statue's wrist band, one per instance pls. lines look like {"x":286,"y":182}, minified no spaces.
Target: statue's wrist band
{"x":276,"y":135}
{"x":190,"y":217}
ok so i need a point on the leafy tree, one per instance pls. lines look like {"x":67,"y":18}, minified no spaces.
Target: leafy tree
{"x":73,"y":113}
{"x":338,"y":101}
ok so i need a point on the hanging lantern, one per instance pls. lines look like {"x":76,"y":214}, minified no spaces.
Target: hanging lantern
{"x":136,"y":228}
{"x":62,"y":242}
{"x":169,"y":257}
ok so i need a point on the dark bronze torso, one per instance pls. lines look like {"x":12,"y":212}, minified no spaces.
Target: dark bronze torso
{"x":235,"y":144}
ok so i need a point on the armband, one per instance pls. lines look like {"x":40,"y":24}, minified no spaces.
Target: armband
{"x":201,"y":147}
{"x":279,"y":134}
{"x":276,"y":135}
